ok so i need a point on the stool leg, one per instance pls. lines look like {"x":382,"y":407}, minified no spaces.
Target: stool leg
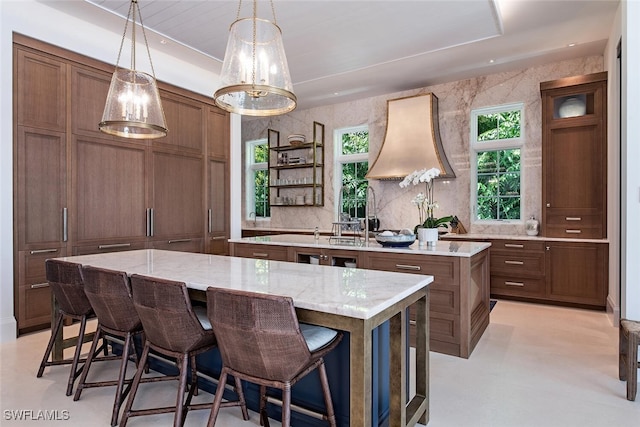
{"x":215,"y":408}
{"x":121,"y":379}
{"x":47,"y":352}
{"x":76,"y":357}
{"x":632,"y":365}
{"x":324,"y":381}
{"x":264,"y":418}
{"x":136,"y":382}
{"x":87,"y":364}
{"x":286,"y":405}
{"x":241,"y":400}
{"x":183,"y":366}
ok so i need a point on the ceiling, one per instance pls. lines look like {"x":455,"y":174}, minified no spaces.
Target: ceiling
{"x":344,"y":50}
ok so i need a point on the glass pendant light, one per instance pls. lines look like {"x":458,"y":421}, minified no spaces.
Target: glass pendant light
{"x":255,"y":75}
{"x":133,"y":108}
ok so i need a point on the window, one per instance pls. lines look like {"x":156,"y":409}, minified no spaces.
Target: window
{"x":257,"y":179}
{"x":496,"y":141}
{"x":352,"y":164}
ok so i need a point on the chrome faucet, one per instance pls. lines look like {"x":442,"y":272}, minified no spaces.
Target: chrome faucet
{"x":366,"y":212}
{"x":254,"y":218}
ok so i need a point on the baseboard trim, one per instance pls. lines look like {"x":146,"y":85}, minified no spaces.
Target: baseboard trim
{"x":8,"y":328}
{"x":613,"y":312}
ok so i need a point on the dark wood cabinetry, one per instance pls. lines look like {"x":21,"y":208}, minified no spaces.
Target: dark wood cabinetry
{"x":574,"y":157}
{"x":80,"y":191}
{"x":564,"y":272}
{"x":577,"y":272}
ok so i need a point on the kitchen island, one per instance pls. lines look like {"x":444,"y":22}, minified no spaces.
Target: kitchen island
{"x":459,"y":294}
{"x":358,"y":302}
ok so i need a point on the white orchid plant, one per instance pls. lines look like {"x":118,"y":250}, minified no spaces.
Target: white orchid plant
{"x":424,"y":201}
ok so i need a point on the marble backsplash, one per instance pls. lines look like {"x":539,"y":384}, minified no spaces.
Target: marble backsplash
{"x":456,"y":100}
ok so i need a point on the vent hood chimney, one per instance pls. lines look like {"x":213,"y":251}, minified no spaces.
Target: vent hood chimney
{"x":412,"y":140}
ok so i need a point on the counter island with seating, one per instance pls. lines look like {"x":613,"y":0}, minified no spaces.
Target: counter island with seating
{"x":370,"y":307}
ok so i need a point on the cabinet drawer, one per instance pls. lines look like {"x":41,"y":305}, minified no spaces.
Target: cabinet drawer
{"x":32,"y":264}
{"x":575,"y":232}
{"x":574,"y":220}
{"x":183,"y":245}
{"x":525,"y":263}
{"x":513,"y":246}
{"x":517,"y":286}
{"x":277,"y":253}
{"x":34,"y":305}
{"x":445,"y":270}
{"x":107,"y":247}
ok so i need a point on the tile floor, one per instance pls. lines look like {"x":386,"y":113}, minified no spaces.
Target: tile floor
{"x":536,"y":365}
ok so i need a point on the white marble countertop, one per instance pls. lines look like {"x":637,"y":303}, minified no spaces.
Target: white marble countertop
{"x":348,"y":292}
{"x":442,"y":247}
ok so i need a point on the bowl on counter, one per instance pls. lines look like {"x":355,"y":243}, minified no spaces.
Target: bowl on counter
{"x":395,"y":240}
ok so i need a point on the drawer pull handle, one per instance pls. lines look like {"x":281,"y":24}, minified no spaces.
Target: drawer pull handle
{"x":179,"y":241}
{"x":408,"y":267}
{"x":39,"y":285}
{"x":514,"y":262}
{"x":519,"y":284}
{"x":573,"y":218}
{"x":43,"y":251}
{"x":513,"y":245}
{"x":261,"y":254}
{"x":412,"y":322}
{"x":573,"y":231}
{"x":115,"y":245}
{"x":219,"y":238}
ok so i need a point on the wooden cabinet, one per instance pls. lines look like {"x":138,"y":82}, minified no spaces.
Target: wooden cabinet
{"x":553,"y":271}
{"x":577,"y":273}
{"x":40,"y":79}
{"x":260,"y":251}
{"x":89,"y":89}
{"x":185,"y":120}
{"x":458,"y":296}
{"x":574,"y":157}
{"x":177,"y":196}
{"x":518,"y":268}
{"x":109,"y":182}
{"x":80,"y":191}
{"x":218,"y":197}
{"x":41,"y":186}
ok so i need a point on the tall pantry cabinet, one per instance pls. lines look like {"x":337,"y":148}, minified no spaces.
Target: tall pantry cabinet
{"x":574,"y":188}
{"x":80,"y":191}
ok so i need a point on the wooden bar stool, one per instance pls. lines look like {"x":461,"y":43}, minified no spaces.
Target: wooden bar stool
{"x":66,"y":284}
{"x":628,"y":360}
{"x":261,"y":341}
{"x":172,"y":328}
{"x":110,"y":295}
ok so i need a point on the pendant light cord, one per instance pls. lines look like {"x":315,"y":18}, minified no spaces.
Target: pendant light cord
{"x":132,"y":11}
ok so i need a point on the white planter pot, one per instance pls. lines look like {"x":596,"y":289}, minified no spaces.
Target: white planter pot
{"x":428,"y":236}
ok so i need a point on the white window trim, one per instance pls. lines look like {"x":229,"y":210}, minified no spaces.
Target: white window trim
{"x":340,"y":158}
{"x":503,"y":144}
{"x":250,"y":186}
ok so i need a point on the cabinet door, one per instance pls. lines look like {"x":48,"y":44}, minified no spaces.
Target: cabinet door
{"x":177,"y":196}
{"x":577,"y":272}
{"x":218,"y":133}
{"x":574,"y":157}
{"x":41,"y":89}
{"x":185,"y":122}
{"x":89,"y":91}
{"x":33,"y":303}
{"x":41,"y":186}
{"x":218,"y":210}
{"x":109,"y":189}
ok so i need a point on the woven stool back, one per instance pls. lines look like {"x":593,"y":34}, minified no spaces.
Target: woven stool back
{"x":65,"y":280}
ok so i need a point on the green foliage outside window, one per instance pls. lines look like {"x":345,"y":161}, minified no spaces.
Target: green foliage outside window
{"x":260,"y":154}
{"x":261,"y":200}
{"x":498,"y":191}
{"x":354,"y":182}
